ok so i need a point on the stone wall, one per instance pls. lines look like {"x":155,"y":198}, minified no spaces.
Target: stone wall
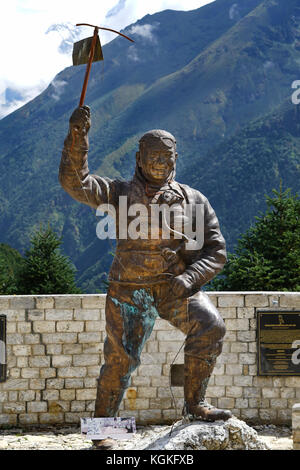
{"x":55,"y":349}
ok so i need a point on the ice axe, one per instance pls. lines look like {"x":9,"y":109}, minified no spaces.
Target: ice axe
{"x":89,"y":50}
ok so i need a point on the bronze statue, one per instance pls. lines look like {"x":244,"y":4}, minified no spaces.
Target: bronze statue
{"x":151,"y":277}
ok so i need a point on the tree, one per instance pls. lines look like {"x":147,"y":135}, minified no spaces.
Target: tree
{"x":267,"y":256}
{"x":9,"y":263}
{"x":44,"y":270}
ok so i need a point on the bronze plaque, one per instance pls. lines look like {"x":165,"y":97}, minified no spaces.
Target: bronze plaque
{"x":278,"y":336}
{"x":2,"y":348}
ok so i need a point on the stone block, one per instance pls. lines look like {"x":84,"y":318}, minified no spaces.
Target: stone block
{"x":278,"y":403}
{"x":22,"y":301}
{"x":291,"y":300}
{"x":87,"y":314}
{"x":228,"y":358}
{"x":239,"y":347}
{"x":93,"y":371}
{"x":93,"y":301}
{"x":292,"y":382}
{"x":24,"y":327}
{"x":58,"y":315}
{"x":89,"y":338}
{"x":227,"y":312}
{"x":150,"y":370}
{"x":94,"y":326}
{"x":37,"y":384}
{"x":54,"y":349}
{"x":67,"y":301}
{"x":246,"y":312}
{"x":150,"y":416}
{"x":32,"y":339}
{"x":268,"y":415}
{"x":14,"y":408}
{"x":30,"y":373}
{"x":37,"y":406}
{"x":92,"y":348}
{"x":70,"y":326}
{"x":44,"y":302}
{"x":38,"y":349}
{"x":49,"y":418}
{"x":152,"y":346}
{"x":215,"y":391}
{"x":43,"y":326}
{"x":35,"y":315}
{"x":28,"y":418}
{"x":163,"y":325}
{"x":142,"y":381}
{"x":56,"y":384}
{"x":50,"y":395}
{"x":223,"y":379}
{"x":159,"y":403}
{"x":59,"y":338}
{"x":154,"y":358}
{"x":13,"y":372}
{"x":169,"y":346}
{"x":147,"y":392}
{"x":4,"y":302}
{"x":72,"y":372}
{"x":73,"y":383}
{"x":47,"y":373}
{"x":21,"y":350}
{"x":246,"y":336}
{"x":256,"y":300}
{"x":11,"y":327}
{"x":239,"y":324}
{"x":14,"y":315}
{"x":243,"y":381}
{"x":242,"y":403}
{"x":14,"y":338}
{"x":68,"y":395}
{"x":78,"y":406}
{"x":61,"y":361}
{"x":249,"y":414}
{"x":10,"y":420}
{"x":74,"y":418}
{"x":86,"y":359}
{"x":226,"y":403}
{"x":72,"y":349}
{"x":247,"y":358}
{"x":230,"y":300}
{"x":39,"y":361}
{"x":86,"y":394}
{"x":15,"y":384}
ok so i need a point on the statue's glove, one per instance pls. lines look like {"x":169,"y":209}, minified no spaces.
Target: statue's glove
{"x":182,"y":286}
{"x":80,"y":120}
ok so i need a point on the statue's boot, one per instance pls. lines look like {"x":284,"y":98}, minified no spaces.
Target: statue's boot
{"x":197,"y":373}
{"x":103,"y":444}
{"x":106,"y":406}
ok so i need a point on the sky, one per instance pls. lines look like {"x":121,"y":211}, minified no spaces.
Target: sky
{"x":37,"y":38}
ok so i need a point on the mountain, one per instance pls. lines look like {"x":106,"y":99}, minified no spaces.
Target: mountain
{"x":219,"y":78}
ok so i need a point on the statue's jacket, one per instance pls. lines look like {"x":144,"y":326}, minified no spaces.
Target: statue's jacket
{"x":141,"y":261}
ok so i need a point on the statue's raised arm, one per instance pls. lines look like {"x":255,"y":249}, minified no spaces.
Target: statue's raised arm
{"x":74,"y":175}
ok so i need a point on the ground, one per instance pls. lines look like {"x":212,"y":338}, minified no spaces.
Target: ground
{"x":69,"y":438}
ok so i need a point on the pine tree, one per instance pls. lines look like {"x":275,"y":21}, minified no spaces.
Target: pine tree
{"x":267,"y":256}
{"x":44,"y":270}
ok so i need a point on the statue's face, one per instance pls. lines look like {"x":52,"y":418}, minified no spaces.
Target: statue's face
{"x":156,"y":161}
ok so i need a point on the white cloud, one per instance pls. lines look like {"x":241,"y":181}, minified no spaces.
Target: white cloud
{"x":146,"y":31}
{"x":31,"y":59}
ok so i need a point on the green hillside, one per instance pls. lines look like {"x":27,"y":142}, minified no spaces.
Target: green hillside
{"x":209,"y":77}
